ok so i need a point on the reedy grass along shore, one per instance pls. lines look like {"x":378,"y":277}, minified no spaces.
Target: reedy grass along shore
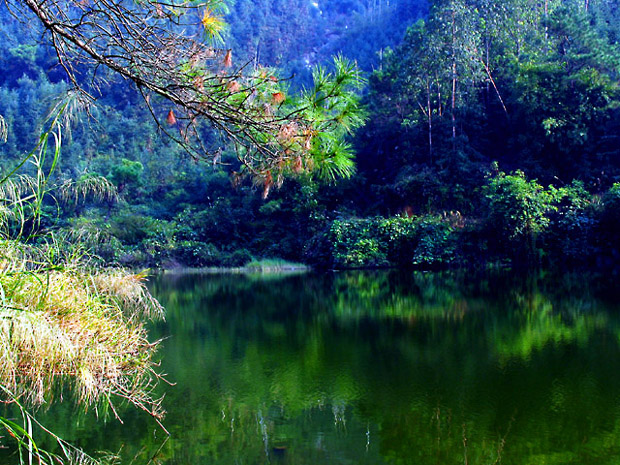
{"x":266,"y":266}
{"x":67,"y":331}
{"x":67,"y":321}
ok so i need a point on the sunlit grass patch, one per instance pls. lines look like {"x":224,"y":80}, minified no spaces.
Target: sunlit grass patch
{"x":274,"y":264}
{"x":69,"y":331}
{"x":86,"y":326}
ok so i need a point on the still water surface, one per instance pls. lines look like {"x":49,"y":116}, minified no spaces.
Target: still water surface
{"x":379,"y":367}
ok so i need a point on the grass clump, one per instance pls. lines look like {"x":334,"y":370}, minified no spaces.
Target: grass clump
{"x":86,"y":326}
{"x":67,"y":328}
{"x":273,"y":264}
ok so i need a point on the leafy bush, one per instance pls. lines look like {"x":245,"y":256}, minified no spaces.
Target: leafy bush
{"x":355,"y":244}
{"x":517,"y":212}
{"x":436,"y":244}
{"x":572,"y":230}
{"x":610,"y":215}
{"x":609,"y":222}
{"x":131,"y":227}
{"x":125,"y":173}
{"x":237,"y":258}
{"x":195,"y":253}
{"x":366,"y":252}
{"x":518,"y":207}
{"x":421,"y":241}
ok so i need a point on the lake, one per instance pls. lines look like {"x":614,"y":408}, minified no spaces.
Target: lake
{"x":377,"y":367}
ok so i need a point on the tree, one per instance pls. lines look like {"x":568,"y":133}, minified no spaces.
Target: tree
{"x":518,"y":210}
{"x":426,"y":64}
{"x":156,"y":46}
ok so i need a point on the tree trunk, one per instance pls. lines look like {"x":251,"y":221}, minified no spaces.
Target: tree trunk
{"x":453,"y":107}
{"x":430,"y":121}
{"x":546,"y":25}
{"x":439,"y":105}
{"x":487,"y":46}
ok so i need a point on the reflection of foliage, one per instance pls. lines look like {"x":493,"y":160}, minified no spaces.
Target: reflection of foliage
{"x":522,"y":368}
{"x":425,"y":359}
{"x":541,"y":326}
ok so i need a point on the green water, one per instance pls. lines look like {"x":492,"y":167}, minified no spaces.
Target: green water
{"x":378,"y":367}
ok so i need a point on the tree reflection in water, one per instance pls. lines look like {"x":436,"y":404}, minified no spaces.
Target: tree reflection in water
{"x":383,"y":367}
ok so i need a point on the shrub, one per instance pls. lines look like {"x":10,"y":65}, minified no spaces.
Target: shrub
{"x":195,"y":253}
{"x":366,"y":252}
{"x":610,"y":215}
{"x":239,"y":257}
{"x":373,"y":242}
{"x":355,"y":243}
{"x":436,"y":242}
{"x":517,"y":212}
{"x":609,"y":221}
{"x":572,"y":230}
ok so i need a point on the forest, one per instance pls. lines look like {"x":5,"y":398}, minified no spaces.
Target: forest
{"x":348,"y":134}
{"x":490,"y":136}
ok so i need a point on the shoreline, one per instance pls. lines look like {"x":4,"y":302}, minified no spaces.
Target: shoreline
{"x":236,"y":270}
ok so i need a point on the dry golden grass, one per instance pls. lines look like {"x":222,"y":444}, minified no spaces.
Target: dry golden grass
{"x":70,"y":327}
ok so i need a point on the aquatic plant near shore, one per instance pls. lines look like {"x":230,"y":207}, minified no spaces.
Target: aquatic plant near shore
{"x":56,"y":324}
{"x":65,"y":329}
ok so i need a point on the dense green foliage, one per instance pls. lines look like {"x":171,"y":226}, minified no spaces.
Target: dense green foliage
{"x":398,"y":241}
{"x":491,"y":135}
{"x":526,"y":86}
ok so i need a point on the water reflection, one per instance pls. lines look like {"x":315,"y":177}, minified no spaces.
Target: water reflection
{"x":382,"y":367}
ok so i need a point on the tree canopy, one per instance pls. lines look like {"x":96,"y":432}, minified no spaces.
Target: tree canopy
{"x":169,"y":51}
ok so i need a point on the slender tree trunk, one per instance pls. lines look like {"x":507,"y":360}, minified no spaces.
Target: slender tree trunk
{"x":487,"y":47}
{"x":257,"y":57}
{"x":492,"y":81}
{"x":429,"y":110}
{"x":440,"y":106}
{"x":546,"y":25}
{"x":453,"y":108}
